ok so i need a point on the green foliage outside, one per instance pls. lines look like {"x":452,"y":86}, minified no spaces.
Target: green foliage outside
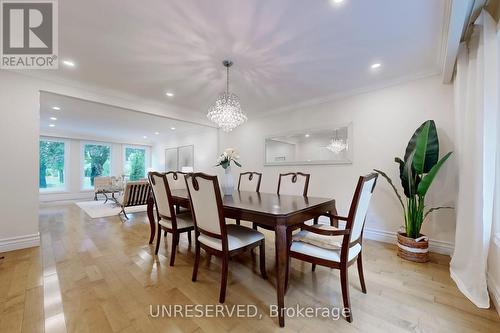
{"x":51,"y":164}
{"x":135,"y":163}
{"x":97,"y":162}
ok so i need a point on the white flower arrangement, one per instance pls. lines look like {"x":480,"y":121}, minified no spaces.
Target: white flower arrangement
{"x":229,"y":155}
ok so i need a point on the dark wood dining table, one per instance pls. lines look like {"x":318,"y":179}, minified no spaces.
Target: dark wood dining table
{"x":276,"y":212}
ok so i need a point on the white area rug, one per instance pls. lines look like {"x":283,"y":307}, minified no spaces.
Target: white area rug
{"x":97,"y":209}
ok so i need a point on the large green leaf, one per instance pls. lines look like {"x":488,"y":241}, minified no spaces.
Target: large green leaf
{"x":427,"y":180}
{"x":432,"y":149}
{"x":408,"y":177}
{"x":403,"y":176}
{"x":421,"y":149}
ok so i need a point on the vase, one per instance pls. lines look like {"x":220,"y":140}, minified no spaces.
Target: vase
{"x":228,"y":184}
{"x":413,"y":250}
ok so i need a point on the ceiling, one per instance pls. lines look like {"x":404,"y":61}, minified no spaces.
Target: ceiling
{"x":285,"y":52}
{"x":79,"y":118}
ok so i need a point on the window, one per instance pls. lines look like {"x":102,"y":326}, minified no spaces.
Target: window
{"x":135,"y":163}
{"x":52,"y":165}
{"x":96,"y":162}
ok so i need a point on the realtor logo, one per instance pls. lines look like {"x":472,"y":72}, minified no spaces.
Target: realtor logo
{"x":29,"y":34}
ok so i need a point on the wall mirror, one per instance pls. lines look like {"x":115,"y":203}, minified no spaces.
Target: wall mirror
{"x":314,"y":146}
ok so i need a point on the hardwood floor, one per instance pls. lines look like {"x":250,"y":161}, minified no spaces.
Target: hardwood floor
{"x":100,"y":276}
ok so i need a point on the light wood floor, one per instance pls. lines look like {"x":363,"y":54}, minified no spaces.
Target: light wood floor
{"x":100,"y":276}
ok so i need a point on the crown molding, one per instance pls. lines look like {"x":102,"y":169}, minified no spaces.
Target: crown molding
{"x":350,"y":93}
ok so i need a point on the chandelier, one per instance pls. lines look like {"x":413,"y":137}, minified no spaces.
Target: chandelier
{"x":226,"y":111}
{"x":337,"y":145}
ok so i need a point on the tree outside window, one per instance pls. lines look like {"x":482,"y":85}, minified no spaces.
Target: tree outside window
{"x":97,"y":162}
{"x":135,"y":163}
{"x":51,"y":165}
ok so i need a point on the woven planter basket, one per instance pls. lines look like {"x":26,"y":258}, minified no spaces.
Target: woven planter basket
{"x":411,"y":250}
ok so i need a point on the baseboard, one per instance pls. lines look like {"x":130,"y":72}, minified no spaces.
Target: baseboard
{"x":435,"y":246}
{"x":21,"y":242}
{"x":494,"y":290}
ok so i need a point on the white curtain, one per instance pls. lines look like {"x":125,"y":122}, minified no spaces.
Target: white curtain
{"x":476,"y":120}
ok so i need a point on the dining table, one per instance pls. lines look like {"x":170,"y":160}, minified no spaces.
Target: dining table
{"x":279,"y":213}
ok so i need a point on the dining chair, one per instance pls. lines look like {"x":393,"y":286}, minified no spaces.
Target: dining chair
{"x":249,"y":181}
{"x":292,"y":183}
{"x":176,"y":181}
{"x":212,"y":233}
{"x":336,"y":248}
{"x":168,"y":220}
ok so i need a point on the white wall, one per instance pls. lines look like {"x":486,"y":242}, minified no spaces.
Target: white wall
{"x":19,"y":105}
{"x":74,"y":169}
{"x":205,"y":141}
{"x":383,"y":122}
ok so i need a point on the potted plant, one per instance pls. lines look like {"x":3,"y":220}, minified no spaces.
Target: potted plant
{"x":229,"y":155}
{"x":417,"y":171}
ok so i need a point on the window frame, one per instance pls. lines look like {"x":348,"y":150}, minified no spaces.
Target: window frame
{"x":82,"y":161}
{"x":66,"y":184}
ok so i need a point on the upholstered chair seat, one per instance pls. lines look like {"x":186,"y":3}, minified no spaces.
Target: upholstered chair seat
{"x":183,"y":221}
{"x":237,"y":237}
{"x":168,"y":220}
{"x":213,"y":234}
{"x":337,"y":248}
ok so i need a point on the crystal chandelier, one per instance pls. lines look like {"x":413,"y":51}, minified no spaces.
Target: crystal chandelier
{"x":337,"y":145}
{"x":226,"y":111}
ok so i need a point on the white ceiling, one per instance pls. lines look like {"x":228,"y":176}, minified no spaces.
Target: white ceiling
{"x":285,"y":51}
{"x":83,"y":119}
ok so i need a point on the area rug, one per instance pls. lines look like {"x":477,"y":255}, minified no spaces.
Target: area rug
{"x":97,"y":209}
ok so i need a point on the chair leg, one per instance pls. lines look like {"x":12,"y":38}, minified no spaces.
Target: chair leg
{"x":360,"y":273}
{"x":223,"y":282}
{"x":189,"y":237}
{"x":196,"y":261}
{"x":158,"y":239}
{"x":313,"y":267}
{"x":175,"y":241}
{"x":254,"y":226}
{"x":345,"y":293}
{"x":238,"y":222}
{"x":124,"y":213}
{"x":262,"y":259}
{"x":95,"y":196}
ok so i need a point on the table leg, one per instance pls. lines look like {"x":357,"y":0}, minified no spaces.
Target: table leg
{"x":281,"y":261}
{"x":151,"y":218}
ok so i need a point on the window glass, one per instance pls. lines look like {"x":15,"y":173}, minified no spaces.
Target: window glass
{"x":96,"y":162}
{"x":135,"y":163}
{"x":52,"y":175}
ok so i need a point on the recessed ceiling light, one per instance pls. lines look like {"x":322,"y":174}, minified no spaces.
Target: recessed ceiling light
{"x":69,"y":63}
{"x":172,"y":128}
{"x":52,"y":125}
{"x":169,"y":94}
{"x":157,"y":133}
{"x":144,"y":137}
{"x":338,"y":1}
{"x":56,"y":108}
{"x":376,"y":65}
{"x":307,"y":135}
{"x":53,"y":118}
